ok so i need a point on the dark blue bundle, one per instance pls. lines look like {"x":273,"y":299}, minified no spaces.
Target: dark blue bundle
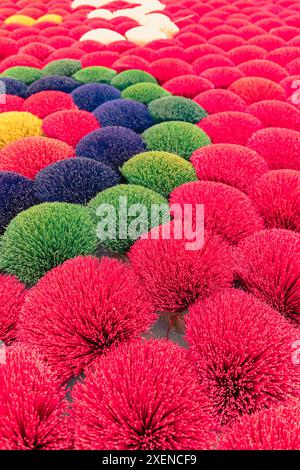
{"x":111,"y":145}
{"x":74,"y":180}
{"x":55,"y":82}
{"x":92,"y":95}
{"x":10,"y":86}
{"x":125,"y":113}
{"x":16,"y":195}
